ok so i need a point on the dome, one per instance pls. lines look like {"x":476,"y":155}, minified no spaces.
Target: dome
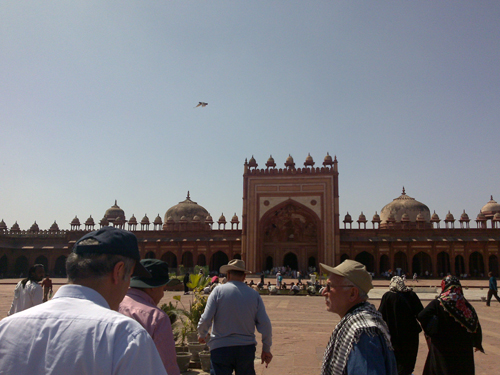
{"x":362,"y":217}
{"x":54,"y":227}
{"x":222,"y":219}
{"x":145,"y":220}
{"x":196,"y":218}
{"x":158,"y":220}
{"x":405,"y":204}
{"x":90,"y":221}
{"x":449,"y":217}
{"x":15,"y":227}
{"x":104,"y":222}
{"x":464,"y":217}
{"x":114,"y":212}
{"x":209,"y":220}
{"x":34,"y":227}
{"x":3,"y":226}
{"x":406,"y":217}
{"x":480,"y":217}
{"x":347,"y":218}
{"x":376,"y":218}
{"x":420,"y":217}
{"x":490,"y":208}
{"x":497,"y":216}
{"x":309,"y":161}
{"x":75,"y":221}
{"x":289,"y":162}
{"x":270,"y":162}
{"x":328,"y":160}
{"x":132,"y":220}
{"x":252,"y":164}
{"x":186,"y":208}
{"x":435,"y":217}
{"x":235,"y":219}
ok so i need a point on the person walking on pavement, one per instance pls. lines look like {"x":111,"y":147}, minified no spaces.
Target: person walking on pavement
{"x":493,"y":290}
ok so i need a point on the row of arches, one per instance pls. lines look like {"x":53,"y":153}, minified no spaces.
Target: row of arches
{"x":217,"y":259}
{"x":22,"y":265}
{"x":421,"y":263}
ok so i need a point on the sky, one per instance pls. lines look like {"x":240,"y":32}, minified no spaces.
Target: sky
{"x":97,"y":103}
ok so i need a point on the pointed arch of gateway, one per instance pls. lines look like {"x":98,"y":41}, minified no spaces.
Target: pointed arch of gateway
{"x":289,"y":228}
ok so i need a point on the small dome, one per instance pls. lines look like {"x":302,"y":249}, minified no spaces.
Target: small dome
{"x":119,"y":220}
{"x":391,"y":218}
{"x":15,"y":227}
{"x":183,"y":218}
{"x":435,"y":217}
{"x":54,"y":227}
{"x":347,"y":218}
{"x":104,"y":221}
{"x":158,"y":220}
{"x":362,"y":217}
{"x":270,"y":162}
{"x":309,"y":161}
{"x":3,"y":226}
{"x":420,"y":217}
{"x":113,"y":212}
{"x":90,"y":221}
{"x":480,"y":217}
{"x":34,"y":227}
{"x":405,"y":204}
{"x":496,"y":217}
{"x":145,"y":220}
{"x":222,"y":219}
{"x":209,"y":220}
{"x":490,"y":208}
{"x":252,"y":163}
{"x":464,"y":217}
{"x":376,"y":218}
{"x":449,"y":217}
{"x":289,"y":162}
{"x":328,"y":160}
{"x":75,"y":221}
{"x":196,"y":218}
{"x":170,"y":220}
{"x":132,"y":220}
{"x":188,"y":209}
{"x":405,"y":217}
{"x":235,"y":219}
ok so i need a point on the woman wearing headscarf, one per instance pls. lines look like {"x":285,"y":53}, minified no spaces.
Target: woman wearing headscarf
{"x":453,"y":327}
{"x":399,"y":308}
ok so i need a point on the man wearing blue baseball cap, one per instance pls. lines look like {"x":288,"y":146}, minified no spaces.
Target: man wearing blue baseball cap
{"x":77,"y":331}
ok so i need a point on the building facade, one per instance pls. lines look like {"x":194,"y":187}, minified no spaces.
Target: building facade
{"x":290,"y":218}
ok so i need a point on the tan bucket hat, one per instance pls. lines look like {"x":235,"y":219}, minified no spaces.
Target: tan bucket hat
{"x":234,"y":265}
{"x":353,"y":271}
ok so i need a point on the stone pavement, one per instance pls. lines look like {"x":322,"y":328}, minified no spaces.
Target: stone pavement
{"x":302,"y":327}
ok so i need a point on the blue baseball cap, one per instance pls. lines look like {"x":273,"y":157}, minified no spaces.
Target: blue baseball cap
{"x":110,"y":240}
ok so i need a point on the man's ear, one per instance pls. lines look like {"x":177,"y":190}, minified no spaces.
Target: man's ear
{"x":118,"y":272}
{"x":354,"y":294}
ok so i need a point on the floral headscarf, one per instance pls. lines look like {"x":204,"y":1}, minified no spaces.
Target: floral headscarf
{"x":398,"y":285}
{"x":453,"y":301}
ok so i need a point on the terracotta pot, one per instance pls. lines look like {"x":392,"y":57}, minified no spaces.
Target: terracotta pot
{"x":183,"y":360}
{"x":205,"y":360}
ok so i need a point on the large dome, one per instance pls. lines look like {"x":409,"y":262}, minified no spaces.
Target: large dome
{"x":186,"y":210}
{"x":491,"y":208}
{"x":405,"y":204}
{"x":114,"y":213}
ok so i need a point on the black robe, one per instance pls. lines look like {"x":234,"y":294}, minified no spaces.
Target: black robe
{"x":451,"y":348}
{"x":400,"y":310}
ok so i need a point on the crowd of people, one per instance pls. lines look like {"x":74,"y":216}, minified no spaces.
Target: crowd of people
{"x":106,"y":320}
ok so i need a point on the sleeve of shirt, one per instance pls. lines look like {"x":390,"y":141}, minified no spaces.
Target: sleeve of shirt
{"x":208,"y":314}
{"x":163,"y":338}
{"x":371,"y":356}
{"x":137,"y":354}
{"x":263,"y":325}
{"x":37,"y":295}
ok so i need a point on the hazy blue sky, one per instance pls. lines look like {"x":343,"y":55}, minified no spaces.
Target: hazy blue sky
{"x":97,"y":97}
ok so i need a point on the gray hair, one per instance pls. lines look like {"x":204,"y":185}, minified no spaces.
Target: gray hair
{"x":361,"y":294}
{"x":79,"y":267}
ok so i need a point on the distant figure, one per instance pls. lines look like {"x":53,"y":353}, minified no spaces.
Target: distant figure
{"x":233,"y":312}
{"x":299,"y":278}
{"x":47,"y":289}
{"x":493,"y":290}
{"x":186,"y":281}
{"x":400,"y":307}
{"x":141,"y":304}
{"x":294,"y":289}
{"x":202,"y":104}
{"x":28,"y":292}
{"x":415,"y":277}
{"x":452,"y":330}
{"x":279,"y":279}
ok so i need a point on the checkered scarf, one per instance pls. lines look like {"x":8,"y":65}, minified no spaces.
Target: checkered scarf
{"x":363,"y":319}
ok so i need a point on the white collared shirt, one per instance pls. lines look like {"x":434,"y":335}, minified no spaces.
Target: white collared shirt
{"x":25,"y":297}
{"x":76,"y":333}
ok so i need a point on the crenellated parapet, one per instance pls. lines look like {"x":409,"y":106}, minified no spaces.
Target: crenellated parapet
{"x":329,"y":167}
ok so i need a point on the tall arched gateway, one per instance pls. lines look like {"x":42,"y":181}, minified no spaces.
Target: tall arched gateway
{"x":290,"y":211}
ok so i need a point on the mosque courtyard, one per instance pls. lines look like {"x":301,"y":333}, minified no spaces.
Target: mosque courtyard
{"x":302,"y":327}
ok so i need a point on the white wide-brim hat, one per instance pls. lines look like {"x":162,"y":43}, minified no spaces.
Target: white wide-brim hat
{"x":234,"y":265}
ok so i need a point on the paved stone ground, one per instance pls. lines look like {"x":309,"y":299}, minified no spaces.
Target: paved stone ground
{"x":302,"y":327}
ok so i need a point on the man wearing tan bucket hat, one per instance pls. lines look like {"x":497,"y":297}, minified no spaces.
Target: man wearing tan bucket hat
{"x":233,"y":312}
{"x":360,"y":343}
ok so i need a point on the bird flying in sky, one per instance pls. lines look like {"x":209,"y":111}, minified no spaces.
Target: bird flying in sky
{"x":201,"y":104}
